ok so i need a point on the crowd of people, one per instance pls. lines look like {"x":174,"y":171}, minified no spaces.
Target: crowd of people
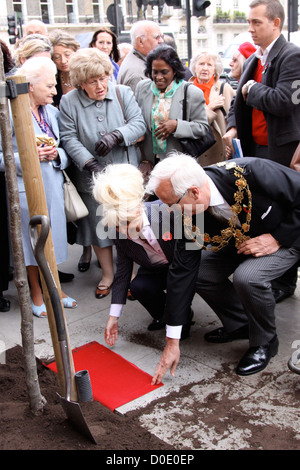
{"x":106,"y":111}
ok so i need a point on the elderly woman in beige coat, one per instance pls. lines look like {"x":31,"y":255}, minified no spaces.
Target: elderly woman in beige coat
{"x":206,"y":68}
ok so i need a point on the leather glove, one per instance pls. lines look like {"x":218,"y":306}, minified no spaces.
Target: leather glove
{"x":93,"y":166}
{"x":108,"y":142}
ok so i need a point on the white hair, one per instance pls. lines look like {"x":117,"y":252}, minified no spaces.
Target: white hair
{"x":34,"y":69}
{"x":124,"y":47}
{"x":140,"y":28}
{"x":181,"y":170}
{"x":215,"y":57}
{"x":35,"y":23}
{"x":120,"y":190}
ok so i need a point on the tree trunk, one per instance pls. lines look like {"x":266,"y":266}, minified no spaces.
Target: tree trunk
{"x":36,"y":400}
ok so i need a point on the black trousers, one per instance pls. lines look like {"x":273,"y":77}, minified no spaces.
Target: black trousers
{"x":148,"y":287}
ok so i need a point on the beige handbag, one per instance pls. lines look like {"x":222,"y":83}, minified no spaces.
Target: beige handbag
{"x":295,"y":163}
{"x":74,"y":206}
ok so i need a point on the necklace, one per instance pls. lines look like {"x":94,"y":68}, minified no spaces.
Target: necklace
{"x":42,"y":124}
{"x":64,"y":83}
{"x":219,"y":241}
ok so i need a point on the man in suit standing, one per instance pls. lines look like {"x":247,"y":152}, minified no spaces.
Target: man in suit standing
{"x":251,"y":210}
{"x":145,"y":36}
{"x":144,"y":234}
{"x":264,"y":115}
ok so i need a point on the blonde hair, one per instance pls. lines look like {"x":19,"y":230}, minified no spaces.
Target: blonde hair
{"x":215,"y":57}
{"x":120,"y":190}
{"x":60,"y":38}
{"x":88,"y":63}
{"x":30,"y":46}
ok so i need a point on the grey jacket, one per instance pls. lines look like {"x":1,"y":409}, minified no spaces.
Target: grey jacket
{"x":83,"y":121}
{"x":195,"y":126}
{"x":132,"y":69}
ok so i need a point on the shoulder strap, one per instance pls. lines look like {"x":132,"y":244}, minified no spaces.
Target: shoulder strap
{"x":186,"y":85}
{"x":222,"y":88}
{"x":221,"y":93}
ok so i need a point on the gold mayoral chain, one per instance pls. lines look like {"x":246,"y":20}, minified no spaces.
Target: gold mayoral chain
{"x":219,"y":241}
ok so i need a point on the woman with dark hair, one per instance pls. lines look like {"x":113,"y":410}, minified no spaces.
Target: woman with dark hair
{"x":160,"y":98}
{"x":106,"y":41}
{"x":8,"y":62}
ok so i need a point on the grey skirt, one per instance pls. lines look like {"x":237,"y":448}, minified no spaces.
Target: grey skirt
{"x":91,"y":231}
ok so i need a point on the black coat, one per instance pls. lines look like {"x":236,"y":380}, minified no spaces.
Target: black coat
{"x":275,"y":193}
{"x":277,"y":97}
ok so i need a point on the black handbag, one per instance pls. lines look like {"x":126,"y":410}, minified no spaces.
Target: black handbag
{"x":195,"y":147}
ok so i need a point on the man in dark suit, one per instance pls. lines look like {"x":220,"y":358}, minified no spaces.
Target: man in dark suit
{"x":251,"y":210}
{"x":265,"y":114}
{"x":143,"y":233}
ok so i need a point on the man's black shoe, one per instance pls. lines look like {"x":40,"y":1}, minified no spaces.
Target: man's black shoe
{"x":156,"y":325}
{"x":280,"y":295}
{"x":4,"y":304}
{"x":257,"y":358}
{"x":65,"y":277}
{"x":220,"y":335}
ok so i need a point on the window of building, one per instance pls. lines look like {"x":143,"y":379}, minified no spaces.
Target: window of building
{"x":202,"y":44}
{"x":17,"y":6}
{"x":44,"y":11}
{"x":96,"y":12}
{"x":220,"y":41}
{"x":70,"y":11}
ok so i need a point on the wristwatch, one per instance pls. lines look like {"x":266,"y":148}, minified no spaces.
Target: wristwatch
{"x":248,"y":85}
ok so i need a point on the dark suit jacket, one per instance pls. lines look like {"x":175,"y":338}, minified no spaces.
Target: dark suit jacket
{"x":274,"y":96}
{"x":129,"y":252}
{"x":276,"y":210}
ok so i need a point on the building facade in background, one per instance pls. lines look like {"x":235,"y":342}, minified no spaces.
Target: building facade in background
{"x":223,"y":20}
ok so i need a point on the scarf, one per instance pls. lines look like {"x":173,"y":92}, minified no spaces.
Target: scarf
{"x":160,"y":112}
{"x":205,"y":87}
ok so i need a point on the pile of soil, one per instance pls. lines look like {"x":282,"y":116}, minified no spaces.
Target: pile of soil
{"x":50,"y":430}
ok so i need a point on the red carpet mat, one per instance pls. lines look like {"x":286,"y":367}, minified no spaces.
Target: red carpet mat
{"x":115,"y":381}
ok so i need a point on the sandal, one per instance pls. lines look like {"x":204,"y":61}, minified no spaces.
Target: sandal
{"x":38,"y":310}
{"x":102,"y":291}
{"x":68,"y":302}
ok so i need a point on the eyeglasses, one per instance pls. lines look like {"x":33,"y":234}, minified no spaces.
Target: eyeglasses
{"x":179,"y":200}
{"x":95,"y":81}
{"x":156,"y":36}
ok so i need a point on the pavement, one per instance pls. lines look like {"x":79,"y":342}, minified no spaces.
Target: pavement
{"x":206,"y":405}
